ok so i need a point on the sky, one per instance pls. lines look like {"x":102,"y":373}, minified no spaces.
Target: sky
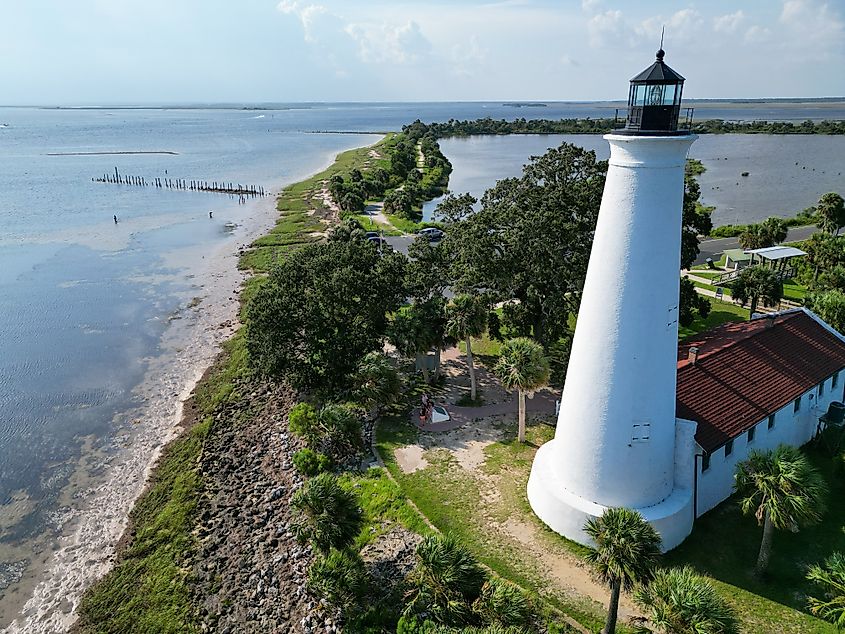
{"x":190,"y":51}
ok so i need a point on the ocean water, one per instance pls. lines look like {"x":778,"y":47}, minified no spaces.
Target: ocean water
{"x":100,"y":334}
{"x":786,"y":173}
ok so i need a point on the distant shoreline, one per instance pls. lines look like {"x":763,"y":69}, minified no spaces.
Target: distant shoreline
{"x":113,"y":153}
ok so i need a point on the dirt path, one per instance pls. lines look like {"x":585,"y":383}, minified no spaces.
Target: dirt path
{"x":465,"y":437}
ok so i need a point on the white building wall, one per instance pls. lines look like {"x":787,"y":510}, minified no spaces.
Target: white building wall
{"x":791,"y":428}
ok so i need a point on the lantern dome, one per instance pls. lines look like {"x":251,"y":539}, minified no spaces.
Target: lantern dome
{"x":654,"y":102}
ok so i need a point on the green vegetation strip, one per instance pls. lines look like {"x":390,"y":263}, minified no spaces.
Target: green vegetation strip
{"x":149,"y":589}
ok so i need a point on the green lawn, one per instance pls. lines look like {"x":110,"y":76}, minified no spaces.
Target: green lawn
{"x":474,"y":508}
{"x":720,"y":313}
{"x":725,"y":543}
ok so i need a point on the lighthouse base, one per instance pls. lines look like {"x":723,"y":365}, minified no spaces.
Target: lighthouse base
{"x":566,"y":513}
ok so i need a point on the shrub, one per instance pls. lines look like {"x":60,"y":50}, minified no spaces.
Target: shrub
{"x":341,"y":429}
{"x":302,"y":422}
{"x":339,"y":578}
{"x":329,"y":514}
{"x":503,"y":603}
{"x":445,"y":581}
{"x":308,"y":462}
{"x":410,"y":624}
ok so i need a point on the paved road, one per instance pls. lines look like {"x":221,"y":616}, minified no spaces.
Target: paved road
{"x":715,"y":248}
{"x":708,"y":248}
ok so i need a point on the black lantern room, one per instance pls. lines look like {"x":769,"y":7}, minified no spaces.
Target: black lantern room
{"x":654,"y":101}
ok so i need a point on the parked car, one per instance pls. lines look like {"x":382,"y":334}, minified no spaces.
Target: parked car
{"x":372,"y":234}
{"x":380,"y":242}
{"x":432,"y":233}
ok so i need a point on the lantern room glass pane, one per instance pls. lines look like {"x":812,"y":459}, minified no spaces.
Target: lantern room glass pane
{"x":654,"y":96}
{"x":639,"y":91}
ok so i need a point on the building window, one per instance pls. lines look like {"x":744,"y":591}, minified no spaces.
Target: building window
{"x":705,"y":462}
{"x":751,"y":435}
{"x":821,"y":389}
{"x":771,"y":421}
{"x":834,"y":380}
{"x":796,"y":406}
{"x":729,"y":448}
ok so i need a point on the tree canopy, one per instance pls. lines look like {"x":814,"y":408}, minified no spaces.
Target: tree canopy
{"x":755,"y":284}
{"x":530,"y":241}
{"x":322,"y":310}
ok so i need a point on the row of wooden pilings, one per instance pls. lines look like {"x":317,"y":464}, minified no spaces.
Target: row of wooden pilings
{"x":180,"y":183}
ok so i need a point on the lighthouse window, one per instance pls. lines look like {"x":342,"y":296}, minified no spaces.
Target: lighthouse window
{"x":729,"y":448}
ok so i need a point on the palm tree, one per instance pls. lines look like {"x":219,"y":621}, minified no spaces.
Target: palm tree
{"x":444,"y":582}
{"x":377,"y":382}
{"x":678,"y":601}
{"x":329,"y":515}
{"x":783,"y":490}
{"x":626,"y":551}
{"x":830,"y":211}
{"x":466,"y":317}
{"x":831,"y":578}
{"x":756,"y":283}
{"x":522,"y":366}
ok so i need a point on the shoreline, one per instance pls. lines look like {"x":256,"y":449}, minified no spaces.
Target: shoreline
{"x":190,"y":346}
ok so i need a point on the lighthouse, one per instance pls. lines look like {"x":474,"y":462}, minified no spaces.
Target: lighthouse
{"x":617,"y":441}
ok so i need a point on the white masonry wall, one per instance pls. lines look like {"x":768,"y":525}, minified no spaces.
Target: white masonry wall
{"x":716,"y":484}
{"x":616,"y":436}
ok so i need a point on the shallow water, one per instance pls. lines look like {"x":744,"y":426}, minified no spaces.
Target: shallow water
{"x":786,"y":173}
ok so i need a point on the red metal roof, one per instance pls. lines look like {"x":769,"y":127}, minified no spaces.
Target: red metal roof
{"x":746,"y":371}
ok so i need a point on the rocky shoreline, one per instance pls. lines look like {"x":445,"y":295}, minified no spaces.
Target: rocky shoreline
{"x":250,"y":572}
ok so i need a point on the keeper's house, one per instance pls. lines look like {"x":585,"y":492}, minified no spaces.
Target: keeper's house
{"x":756,"y":385}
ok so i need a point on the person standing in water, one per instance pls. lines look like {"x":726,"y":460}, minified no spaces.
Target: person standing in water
{"x":115,"y":219}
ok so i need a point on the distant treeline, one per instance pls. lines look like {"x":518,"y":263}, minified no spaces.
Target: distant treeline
{"x":454,"y":127}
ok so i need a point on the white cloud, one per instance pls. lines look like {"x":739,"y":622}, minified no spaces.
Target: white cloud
{"x":605,"y":28}
{"x":387,"y":43}
{"x":728,"y":23}
{"x":756,"y":34}
{"x":814,"y":26}
{"x":307,"y":14}
{"x":681,"y":26}
{"x":466,"y":57}
{"x":590,"y":5}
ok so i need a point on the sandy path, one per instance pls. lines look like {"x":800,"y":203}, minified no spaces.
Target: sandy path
{"x":466,"y":437}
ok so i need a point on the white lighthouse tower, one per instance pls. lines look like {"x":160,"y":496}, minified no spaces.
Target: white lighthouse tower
{"x":618,"y":443}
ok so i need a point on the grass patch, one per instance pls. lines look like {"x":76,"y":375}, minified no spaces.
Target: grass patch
{"x":303,"y":214}
{"x":452,"y":500}
{"x":720,"y":313}
{"x":724,"y":545}
{"x":794,"y":291}
{"x":384,"y":505}
{"x":484,"y":349}
{"x":409,"y":226}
